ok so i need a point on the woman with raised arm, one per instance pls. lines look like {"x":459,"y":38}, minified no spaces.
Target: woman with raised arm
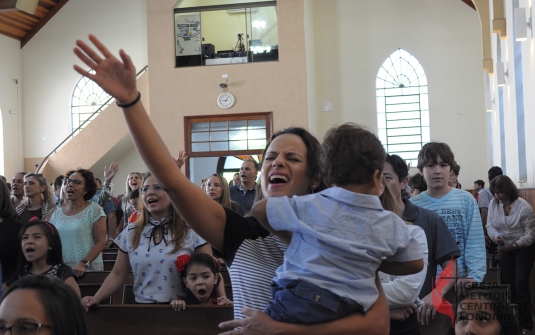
{"x":290,"y":167}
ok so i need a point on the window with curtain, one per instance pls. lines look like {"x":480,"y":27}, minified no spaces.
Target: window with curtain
{"x":402,"y":106}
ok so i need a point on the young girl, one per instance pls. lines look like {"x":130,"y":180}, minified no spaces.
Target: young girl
{"x":201,"y":276}
{"x":42,"y":254}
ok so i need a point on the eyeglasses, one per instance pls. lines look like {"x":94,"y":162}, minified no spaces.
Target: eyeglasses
{"x":154,"y":188}
{"x":76,"y":182}
{"x":22,"y":328}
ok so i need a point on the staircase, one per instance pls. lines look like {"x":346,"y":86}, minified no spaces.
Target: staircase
{"x":106,"y":135}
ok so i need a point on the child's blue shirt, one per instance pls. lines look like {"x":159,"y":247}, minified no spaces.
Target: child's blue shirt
{"x":339,"y":238}
{"x":460,"y":212}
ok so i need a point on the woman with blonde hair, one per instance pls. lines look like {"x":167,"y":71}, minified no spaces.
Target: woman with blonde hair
{"x":150,"y":246}
{"x":124,"y":208}
{"x":38,"y":200}
{"x":217,"y":188}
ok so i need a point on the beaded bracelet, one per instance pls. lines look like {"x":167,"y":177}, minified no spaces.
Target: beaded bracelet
{"x":130,"y":104}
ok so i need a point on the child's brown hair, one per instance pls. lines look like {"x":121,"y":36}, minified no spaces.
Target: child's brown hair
{"x":432,"y":150}
{"x":351,"y":155}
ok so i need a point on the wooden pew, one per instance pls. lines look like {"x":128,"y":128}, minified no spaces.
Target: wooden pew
{"x":156,"y":319}
{"x":90,"y":282}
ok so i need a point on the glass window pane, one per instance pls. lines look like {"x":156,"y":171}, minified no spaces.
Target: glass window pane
{"x":220,"y":125}
{"x":199,"y":137}
{"x":402,"y":108}
{"x":405,"y":139}
{"x":237,"y":145}
{"x":380,"y":105}
{"x":425,"y":135}
{"x":199,"y":126}
{"x":403,"y":123}
{"x":381,"y":121}
{"x":218,"y":146}
{"x":382,"y":135}
{"x":404,"y":147}
{"x":219,"y":136}
{"x":256,"y":134}
{"x":411,"y":90}
{"x":379,"y":85}
{"x":425,"y":118}
{"x":403,"y":131}
{"x":402,"y":116}
{"x":424,"y":102}
{"x":200,"y":147}
{"x":236,"y":125}
{"x":238,"y":135}
{"x":402,"y":99}
{"x":257,"y":124}
{"x":256,"y":144}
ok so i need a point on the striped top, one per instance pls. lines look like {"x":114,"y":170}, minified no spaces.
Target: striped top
{"x":460,"y":212}
{"x":252,"y":255}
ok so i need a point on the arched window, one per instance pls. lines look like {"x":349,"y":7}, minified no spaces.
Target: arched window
{"x":402,"y":106}
{"x":87,"y":98}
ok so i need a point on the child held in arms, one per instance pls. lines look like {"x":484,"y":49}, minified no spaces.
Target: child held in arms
{"x":339,"y":237}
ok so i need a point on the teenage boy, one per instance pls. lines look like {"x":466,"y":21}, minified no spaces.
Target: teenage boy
{"x":456,"y":207}
{"x":442,"y":247}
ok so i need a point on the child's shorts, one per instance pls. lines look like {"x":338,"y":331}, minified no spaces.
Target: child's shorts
{"x":297,"y":301}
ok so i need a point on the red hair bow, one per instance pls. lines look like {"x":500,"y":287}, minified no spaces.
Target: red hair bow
{"x":181,"y":262}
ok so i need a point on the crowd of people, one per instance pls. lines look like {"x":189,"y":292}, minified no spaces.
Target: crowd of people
{"x":333,"y":237}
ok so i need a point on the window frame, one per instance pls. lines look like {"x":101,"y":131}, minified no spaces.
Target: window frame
{"x":414,"y":84}
{"x":188,"y":143}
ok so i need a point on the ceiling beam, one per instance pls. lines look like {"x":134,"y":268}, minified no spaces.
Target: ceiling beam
{"x":42,"y":22}
{"x":469,"y":3}
{"x":8,"y":5}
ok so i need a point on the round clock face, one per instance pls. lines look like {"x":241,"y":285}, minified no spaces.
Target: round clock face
{"x":225,"y":100}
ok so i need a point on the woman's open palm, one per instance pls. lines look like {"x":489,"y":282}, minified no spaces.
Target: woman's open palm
{"x":117,"y":78}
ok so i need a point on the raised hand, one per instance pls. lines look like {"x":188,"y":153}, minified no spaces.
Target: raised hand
{"x":116,"y":77}
{"x":110,"y":172}
{"x":181,"y":158}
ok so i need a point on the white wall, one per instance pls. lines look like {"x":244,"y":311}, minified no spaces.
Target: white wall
{"x":510,"y":101}
{"x":10,"y":69}
{"x":48,"y":76}
{"x":353,"y":38}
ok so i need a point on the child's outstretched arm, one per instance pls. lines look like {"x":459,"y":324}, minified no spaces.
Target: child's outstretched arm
{"x":259,"y":211}
{"x":118,"y":78}
{"x":402,"y":268}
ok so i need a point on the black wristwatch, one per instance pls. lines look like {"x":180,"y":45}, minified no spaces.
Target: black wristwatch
{"x":86,"y":262}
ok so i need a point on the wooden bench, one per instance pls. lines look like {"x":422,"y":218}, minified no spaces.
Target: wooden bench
{"x":90,"y":283}
{"x":156,"y":319}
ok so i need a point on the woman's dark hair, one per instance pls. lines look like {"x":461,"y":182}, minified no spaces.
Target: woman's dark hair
{"x":418,"y":182}
{"x":209,"y":262}
{"x":503,"y":311}
{"x":351,"y":155}
{"x":7,"y":211}
{"x":399,"y":166}
{"x":60,"y":302}
{"x":504,"y":184}
{"x":134,"y":194}
{"x":313,"y":148}
{"x":90,"y":183}
{"x":54,"y":255}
